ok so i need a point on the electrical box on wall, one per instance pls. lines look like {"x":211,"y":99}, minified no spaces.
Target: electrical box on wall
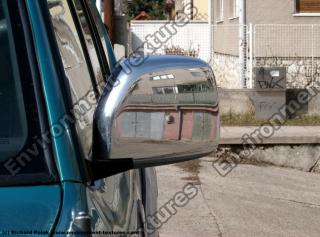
{"x":270,"y":78}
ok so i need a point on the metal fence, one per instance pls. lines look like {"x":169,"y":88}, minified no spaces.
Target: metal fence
{"x":227,"y":65}
{"x":294,"y":47}
{"x":194,"y":39}
{"x":191,"y":39}
{"x":291,"y":46}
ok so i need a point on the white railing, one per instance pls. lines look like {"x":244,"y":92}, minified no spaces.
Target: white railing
{"x":193,"y":36}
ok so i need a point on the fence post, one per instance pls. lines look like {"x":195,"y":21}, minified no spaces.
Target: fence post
{"x":210,"y":31}
{"x":251,"y":35}
{"x":242,"y":43}
{"x":312,"y":57}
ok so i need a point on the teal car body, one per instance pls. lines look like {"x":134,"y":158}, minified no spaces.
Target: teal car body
{"x":44,"y":186}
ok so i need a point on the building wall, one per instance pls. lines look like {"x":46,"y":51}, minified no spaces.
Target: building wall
{"x":265,"y":12}
{"x":281,"y":38}
{"x":228,"y":18}
{"x":269,"y":12}
{"x":226,"y":63}
{"x":287,"y":40}
{"x":146,"y":84}
{"x":276,"y":12}
{"x":226,"y":31}
{"x":202,"y":6}
{"x":179,"y":5}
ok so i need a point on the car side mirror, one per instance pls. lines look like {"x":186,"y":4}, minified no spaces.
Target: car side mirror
{"x":161,"y":112}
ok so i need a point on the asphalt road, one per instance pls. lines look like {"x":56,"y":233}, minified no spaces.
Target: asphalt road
{"x":251,"y":201}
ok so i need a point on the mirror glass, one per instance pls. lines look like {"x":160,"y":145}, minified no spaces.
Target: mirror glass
{"x":168,"y":113}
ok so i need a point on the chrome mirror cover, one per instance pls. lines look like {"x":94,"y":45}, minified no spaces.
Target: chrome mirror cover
{"x":165,"y":108}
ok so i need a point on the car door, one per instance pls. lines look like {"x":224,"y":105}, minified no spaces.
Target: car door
{"x":113,"y":202}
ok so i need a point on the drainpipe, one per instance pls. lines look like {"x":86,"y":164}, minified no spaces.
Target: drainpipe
{"x":108,"y":17}
{"x":210,"y":31}
{"x":242,"y":43}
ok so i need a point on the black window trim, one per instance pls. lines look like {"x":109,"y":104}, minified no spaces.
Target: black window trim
{"x":97,"y":41}
{"x":77,"y":23}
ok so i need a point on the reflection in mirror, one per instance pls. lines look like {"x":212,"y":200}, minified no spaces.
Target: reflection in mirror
{"x":167,"y":113}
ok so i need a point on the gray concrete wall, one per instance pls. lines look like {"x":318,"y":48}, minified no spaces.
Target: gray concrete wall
{"x":314,"y":106}
{"x":242,"y":101}
{"x":235,"y":101}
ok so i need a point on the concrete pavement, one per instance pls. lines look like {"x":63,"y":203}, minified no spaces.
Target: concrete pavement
{"x":251,"y":201}
{"x":195,"y":215}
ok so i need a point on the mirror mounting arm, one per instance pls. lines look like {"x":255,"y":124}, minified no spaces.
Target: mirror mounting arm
{"x":101,"y":169}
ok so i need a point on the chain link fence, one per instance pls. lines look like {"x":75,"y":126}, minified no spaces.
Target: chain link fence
{"x":226,"y":61}
{"x":294,"y":47}
{"x":192,"y":39}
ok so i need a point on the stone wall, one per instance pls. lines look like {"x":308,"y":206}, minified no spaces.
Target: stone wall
{"x":301,"y":72}
{"x":227,"y":71}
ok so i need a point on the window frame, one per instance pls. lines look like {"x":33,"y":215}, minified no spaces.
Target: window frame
{"x":220,"y":8}
{"x":235,"y":9}
{"x":297,"y":12}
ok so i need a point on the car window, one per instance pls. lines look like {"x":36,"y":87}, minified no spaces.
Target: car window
{"x":76,"y":69}
{"x":14,"y":127}
{"x":85,"y":27}
{"x":22,"y":157}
